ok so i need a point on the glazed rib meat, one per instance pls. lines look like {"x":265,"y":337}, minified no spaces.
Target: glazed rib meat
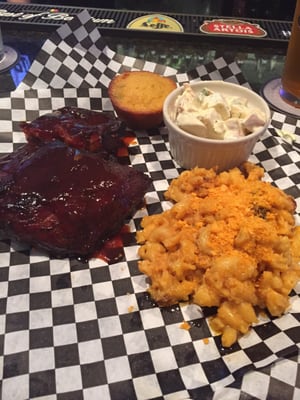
{"x":80,"y":128}
{"x":65,"y":201}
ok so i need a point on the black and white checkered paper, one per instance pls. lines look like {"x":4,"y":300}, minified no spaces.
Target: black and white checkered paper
{"x":88,"y":330}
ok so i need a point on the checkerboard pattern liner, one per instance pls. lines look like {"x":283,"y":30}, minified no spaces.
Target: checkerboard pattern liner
{"x":88,"y":330}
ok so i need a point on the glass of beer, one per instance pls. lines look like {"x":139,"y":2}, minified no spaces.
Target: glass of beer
{"x":1,"y":46}
{"x":290,"y":79}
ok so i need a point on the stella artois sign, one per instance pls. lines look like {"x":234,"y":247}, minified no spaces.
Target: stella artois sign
{"x":232,"y":27}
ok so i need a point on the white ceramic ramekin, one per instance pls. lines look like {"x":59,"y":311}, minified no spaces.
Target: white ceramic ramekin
{"x":190,"y":151}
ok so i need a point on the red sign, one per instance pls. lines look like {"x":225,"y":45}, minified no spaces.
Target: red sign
{"x":233,"y":27}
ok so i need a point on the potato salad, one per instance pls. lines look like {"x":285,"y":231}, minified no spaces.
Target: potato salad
{"x":212,"y":115}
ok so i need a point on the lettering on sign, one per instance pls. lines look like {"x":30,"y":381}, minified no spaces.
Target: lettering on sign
{"x":232,"y":27}
{"x":53,"y":14}
{"x":156,"y":22}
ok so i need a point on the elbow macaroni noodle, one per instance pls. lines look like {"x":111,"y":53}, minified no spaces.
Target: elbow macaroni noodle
{"x":229,"y":241}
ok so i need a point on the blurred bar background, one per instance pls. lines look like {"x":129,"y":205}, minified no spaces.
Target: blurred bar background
{"x":259,"y":62}
{"x":267,"y":9}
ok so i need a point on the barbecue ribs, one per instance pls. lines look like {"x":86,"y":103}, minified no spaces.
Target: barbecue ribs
{"x":64,"y":200}
{"x":80,"y":128}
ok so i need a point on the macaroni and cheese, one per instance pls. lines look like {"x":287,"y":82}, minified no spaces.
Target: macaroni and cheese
{"x":229,"y":241}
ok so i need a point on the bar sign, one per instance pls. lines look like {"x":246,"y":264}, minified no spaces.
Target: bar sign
{"x":232,"y":27}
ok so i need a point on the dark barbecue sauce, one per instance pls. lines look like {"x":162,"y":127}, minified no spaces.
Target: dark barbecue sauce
{"x":112,"y":249}
{"x":65,"y":201}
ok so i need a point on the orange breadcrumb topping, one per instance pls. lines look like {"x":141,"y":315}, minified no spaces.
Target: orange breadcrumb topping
{"x":229,"y":241}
